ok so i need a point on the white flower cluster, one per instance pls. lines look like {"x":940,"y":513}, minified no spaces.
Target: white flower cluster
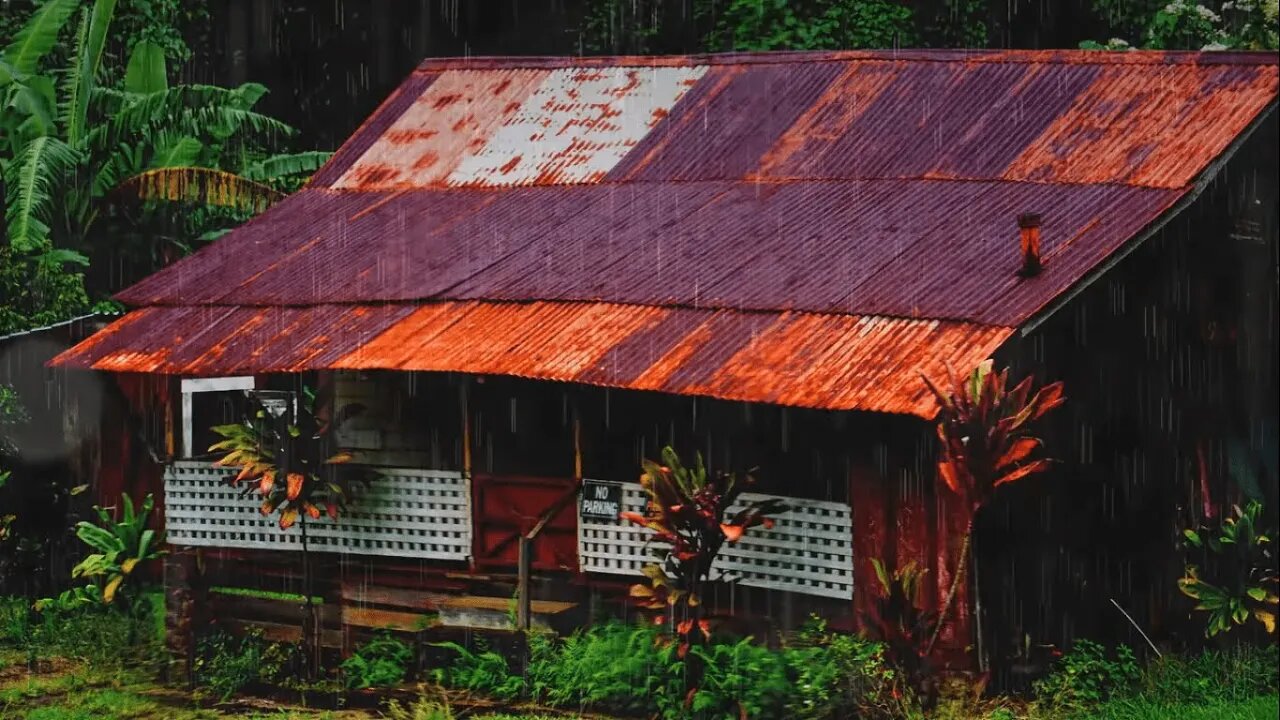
{"x":1182,"y":7}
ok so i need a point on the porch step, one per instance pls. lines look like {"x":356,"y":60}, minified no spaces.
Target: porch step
{"x":497,"y":613}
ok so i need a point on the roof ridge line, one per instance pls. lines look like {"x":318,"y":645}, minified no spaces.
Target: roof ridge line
{"x":488,"y":301}
{"x":752,"y":180}
{"x":1064,"y":56}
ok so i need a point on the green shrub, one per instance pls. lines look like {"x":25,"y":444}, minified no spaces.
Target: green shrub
{"x":740,"y":679}
{"x":484,"y":672}
{"x":15,"y":625}
{"x":613,"y":666}
{"x":381,"y":662}
{"x":226,"y":664}
{"x":628,"y":668}
{"x":838,"y":676}
{"x":1086,"y":676}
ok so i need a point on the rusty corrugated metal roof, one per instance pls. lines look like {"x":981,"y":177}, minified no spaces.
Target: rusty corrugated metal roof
{"x":804,"y":359}
{"x":800,"y":228}
{"x":905,"y":248}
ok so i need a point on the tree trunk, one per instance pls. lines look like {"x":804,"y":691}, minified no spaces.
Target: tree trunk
{"x":962,"y":563}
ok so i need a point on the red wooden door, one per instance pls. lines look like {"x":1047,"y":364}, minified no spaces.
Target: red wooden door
{"x":506,"y":507}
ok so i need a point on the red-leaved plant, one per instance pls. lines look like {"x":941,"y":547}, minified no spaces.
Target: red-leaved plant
{"x":287,"y":461}
{"x":986,"y":442}
{"x":688,"y":510}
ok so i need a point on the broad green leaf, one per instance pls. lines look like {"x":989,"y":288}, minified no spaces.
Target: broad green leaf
{"x":146,"y":72}
{"x":98,"y":538}
{"x":278,"y":166}
{"x":39,"y":35}
{"x":57,"y":257}
{"x":183,"y":152}
{"x":34,"y":102}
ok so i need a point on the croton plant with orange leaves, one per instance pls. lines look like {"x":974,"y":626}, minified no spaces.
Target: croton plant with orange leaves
{"x":688,"y":510}
{"x":985,"y":431}
{"x":288,"y":463}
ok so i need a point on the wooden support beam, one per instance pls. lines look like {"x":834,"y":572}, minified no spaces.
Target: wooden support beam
{"x":524,"y":603}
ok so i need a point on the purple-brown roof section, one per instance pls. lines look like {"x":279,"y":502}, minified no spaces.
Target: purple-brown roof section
{"x":807,"y":229}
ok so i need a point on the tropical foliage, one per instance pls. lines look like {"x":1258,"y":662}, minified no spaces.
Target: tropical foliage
{"x":1189,"y":25}
{"x":287,"y":462}
{"x":122,"y":545}
{"x":789,"y":25}
{"x":691,"y":512}
{"x":1236,"y":578}
{"x":86,"y":156}
{"x":985,"y":432}
{"x":902,"y":624}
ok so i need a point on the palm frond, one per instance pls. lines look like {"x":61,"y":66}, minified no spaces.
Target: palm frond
{"x":205,"y":186}
{"x":124,"y":162}
{"x":204,"y":111}
{"x":38,"y":36}
{"x":91,"y":41}
{"x":31,"y":181}
{"x":278,"y":166}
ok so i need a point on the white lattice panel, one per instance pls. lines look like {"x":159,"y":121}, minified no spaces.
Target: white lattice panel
{"x":405,"y":513}
{"x":809,"y":550}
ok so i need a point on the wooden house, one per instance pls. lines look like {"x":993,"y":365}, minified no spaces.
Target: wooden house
{"x":533,"y":272}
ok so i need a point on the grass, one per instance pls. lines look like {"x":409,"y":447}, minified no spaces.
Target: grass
{"x":1257,"y":708}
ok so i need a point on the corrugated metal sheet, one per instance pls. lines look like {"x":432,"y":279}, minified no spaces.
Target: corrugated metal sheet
{"x":576,"y":126}
{"x":907,"y":248}
{"x":801,"y":359}
{"x":740,"y":226}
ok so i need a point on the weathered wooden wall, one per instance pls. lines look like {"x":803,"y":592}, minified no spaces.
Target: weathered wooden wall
{"x":1170,"y":365}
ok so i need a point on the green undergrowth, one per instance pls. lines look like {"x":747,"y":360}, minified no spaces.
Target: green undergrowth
{"x":264,"y":594}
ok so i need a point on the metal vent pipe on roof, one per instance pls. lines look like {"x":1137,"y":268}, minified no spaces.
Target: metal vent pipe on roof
{"x":1029,"y":226}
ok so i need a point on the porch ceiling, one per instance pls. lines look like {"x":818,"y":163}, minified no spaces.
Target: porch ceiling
{"x":838,"y":362}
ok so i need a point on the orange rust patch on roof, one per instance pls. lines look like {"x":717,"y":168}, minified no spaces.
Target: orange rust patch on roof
{"x":1157,"y":129}
{"x":814,"y":360}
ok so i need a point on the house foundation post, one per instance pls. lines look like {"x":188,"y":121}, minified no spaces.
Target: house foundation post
{"x":183,"y":605}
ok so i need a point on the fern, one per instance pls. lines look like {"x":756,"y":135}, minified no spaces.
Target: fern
{"x":484,"y":672}
{"x":38,"y":36}
{"x":32,"y":178}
